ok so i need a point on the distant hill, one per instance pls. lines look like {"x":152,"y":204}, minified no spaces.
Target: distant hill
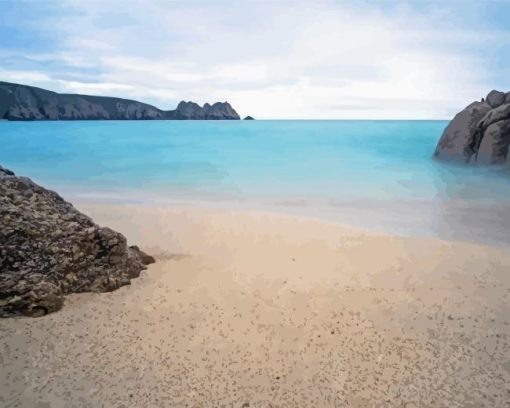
{"x":23,"y":102}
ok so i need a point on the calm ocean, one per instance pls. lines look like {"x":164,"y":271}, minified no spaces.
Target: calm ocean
{"x":373,"y":174}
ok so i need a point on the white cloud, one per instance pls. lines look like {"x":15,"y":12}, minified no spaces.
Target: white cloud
{"x":279,"y":60}
{"x":99,"y":87}
{"x":25,"y":76}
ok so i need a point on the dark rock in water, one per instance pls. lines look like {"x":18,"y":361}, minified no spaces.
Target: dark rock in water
{"x":249,"y":118}
{"x":480,"y":133}
{"x":49,"y":249}
{"x":459,"y":139}
{"x":494,"y":146}
{"x":22,"y":102}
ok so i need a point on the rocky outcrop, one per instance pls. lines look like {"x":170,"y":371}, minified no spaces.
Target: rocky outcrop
{"x":480,"y":133}
{"x":22,"y":102}
{"x":191,"y":110}
{"x":49,"y":249}
{"x":249,"y":118}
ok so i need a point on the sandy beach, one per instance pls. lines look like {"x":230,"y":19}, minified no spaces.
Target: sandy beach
{"x":258,"y":309}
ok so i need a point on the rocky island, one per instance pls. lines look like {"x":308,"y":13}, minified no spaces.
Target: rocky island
{"x":480,"y":133}
{"x":49,"y":249}
{"x":22,"y":102}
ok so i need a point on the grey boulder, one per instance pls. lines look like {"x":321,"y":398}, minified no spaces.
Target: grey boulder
{"x":494,"y":146}
{"x":460,"y":136}
{"x":495,"y":98}
{"x":479,"y":133}
{"x":49,"y":249}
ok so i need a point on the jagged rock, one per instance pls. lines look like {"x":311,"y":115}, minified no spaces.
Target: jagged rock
{"x":502,"y":112}
{"x":188,"y":110}
{"x":249,"y":118}
{"x":49,"y":249}
{"x":217,"y":111}
{"x":220,"y":110}
{"x":495,"y":98}
{"x":479,"y":133}
{"x":22,"y":102}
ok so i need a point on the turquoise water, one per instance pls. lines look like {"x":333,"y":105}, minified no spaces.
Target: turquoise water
{"x":373,"y":174}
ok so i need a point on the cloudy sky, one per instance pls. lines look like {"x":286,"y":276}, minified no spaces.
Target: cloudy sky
{"x":277,"y":59}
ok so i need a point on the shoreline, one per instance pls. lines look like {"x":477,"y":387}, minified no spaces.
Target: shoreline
{"x":272,"y":310}
{"x":443,"y":220}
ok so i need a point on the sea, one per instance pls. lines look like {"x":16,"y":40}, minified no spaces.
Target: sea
{"x":376,"y":174}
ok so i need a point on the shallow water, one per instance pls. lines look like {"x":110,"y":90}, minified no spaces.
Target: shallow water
{"x":372,"y":174}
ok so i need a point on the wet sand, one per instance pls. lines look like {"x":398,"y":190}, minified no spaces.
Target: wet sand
{"x":257,"y":309}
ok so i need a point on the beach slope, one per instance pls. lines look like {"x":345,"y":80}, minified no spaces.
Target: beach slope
{"x":258,"y":309}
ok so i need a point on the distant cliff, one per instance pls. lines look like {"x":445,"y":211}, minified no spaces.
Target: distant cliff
{"x":480,"y":133}
{"x":22,"y":102}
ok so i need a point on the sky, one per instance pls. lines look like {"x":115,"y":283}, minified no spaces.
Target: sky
{"x":272,"y":60}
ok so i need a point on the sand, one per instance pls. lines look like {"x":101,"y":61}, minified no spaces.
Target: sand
{"x":258,"y":309}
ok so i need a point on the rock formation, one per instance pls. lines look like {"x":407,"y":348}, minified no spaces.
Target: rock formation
{"x":249,"y":118}
{"x":22,"y":102}
{"x":49,"y":249}
{"x":480,"y":133}
{"x":191,"y":110}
